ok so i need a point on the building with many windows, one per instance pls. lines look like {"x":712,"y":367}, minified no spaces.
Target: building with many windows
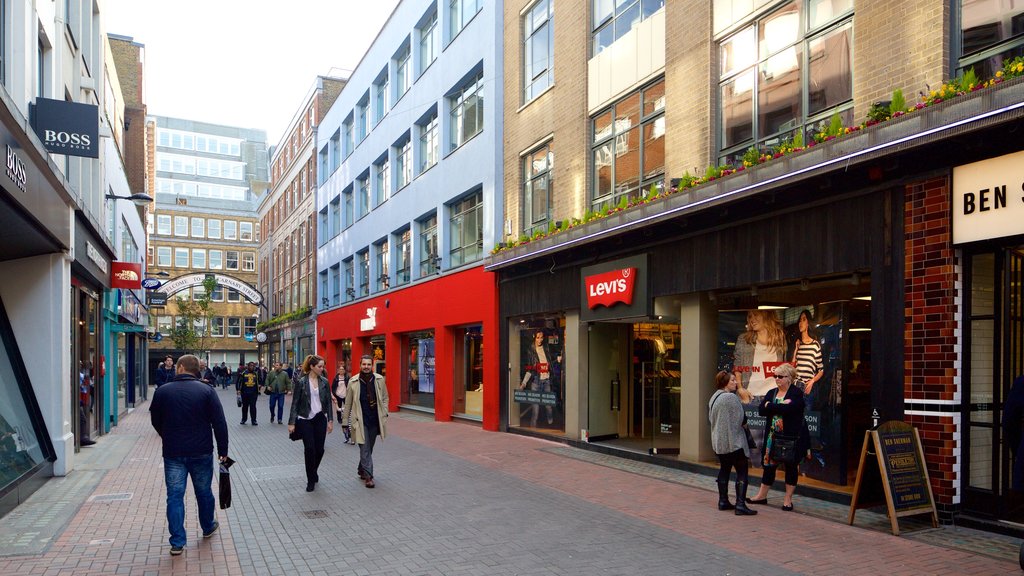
{"x":409,"y":171}
{"x":806,"y":181}
{"x":208,"y":182}
{"x":287,"y":213}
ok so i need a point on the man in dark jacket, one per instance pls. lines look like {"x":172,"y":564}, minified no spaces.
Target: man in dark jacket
{"x":205,"y":374}
{"x":165,"y":371}
{"x":249,"y":383}
{"x":187,"y":414}
{"x":279,"y":385}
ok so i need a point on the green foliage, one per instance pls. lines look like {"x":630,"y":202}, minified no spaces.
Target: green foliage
{"x":712,"y":172}
{"x":879,"y":112}
{"x":967,"y":82}
{"x":835,"y":125}
{"x":898,"y":103}
{"x":623,"y":203}
{"x":687,"y":180}
{"x":286,"y":317}
{"x":752,"y":156}
{"x":186,"y":335}
{"x":798,"y":139}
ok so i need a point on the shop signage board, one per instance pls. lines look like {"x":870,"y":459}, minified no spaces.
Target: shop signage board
{"x":615,"y":290}
{"x":899,"y":463}
{"x":126,"y":275}
{"x":181,"y":282}
{"x":988,"y":199}
{"x":156,"y":298}
{"x":69,"y":128}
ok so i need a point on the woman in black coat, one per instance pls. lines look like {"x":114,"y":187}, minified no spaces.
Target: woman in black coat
{"x":783,"y":409}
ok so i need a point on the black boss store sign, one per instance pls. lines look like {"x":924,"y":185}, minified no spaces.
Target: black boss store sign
{"x":69,"y":128}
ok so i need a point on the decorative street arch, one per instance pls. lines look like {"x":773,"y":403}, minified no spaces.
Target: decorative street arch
{"x":172,"y":287}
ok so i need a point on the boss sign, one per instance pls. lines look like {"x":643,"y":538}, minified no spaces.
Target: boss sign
{"x":610,"y":288}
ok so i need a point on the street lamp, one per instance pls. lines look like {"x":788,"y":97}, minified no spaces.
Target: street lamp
{"x":139,"y":199}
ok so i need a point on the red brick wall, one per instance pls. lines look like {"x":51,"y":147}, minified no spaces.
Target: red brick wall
{"x":930,"y":317}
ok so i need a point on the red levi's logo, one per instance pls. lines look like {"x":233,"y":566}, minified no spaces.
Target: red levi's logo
{"x":609,"y":288}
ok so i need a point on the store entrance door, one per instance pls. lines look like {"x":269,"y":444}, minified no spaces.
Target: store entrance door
{"x":656,"y":386}
{"x":995,"y":321}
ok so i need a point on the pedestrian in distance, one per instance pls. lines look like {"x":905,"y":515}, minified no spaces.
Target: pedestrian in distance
{"x":339,"y":386}
{"x":783,"y":409}
{"x":165,"y":371}
{"x":248,"y":384}
{"x":729,"y":441}
{"x":205,"y":374}
{"x":288,"y":369}
{"x":278,"y":384}
{"x":187,"y":414}
{"x":312,"y":414}
{"x":366,"y":411}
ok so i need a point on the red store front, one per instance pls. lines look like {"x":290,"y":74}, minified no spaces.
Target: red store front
{"x":435,"y":342}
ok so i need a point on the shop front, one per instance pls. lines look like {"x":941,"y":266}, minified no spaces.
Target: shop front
{"x":618,"y":347}
{"x":94,"y":382}
{"x":429,"y":341}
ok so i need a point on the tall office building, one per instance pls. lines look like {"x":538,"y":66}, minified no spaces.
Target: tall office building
{"x":208,"y":183}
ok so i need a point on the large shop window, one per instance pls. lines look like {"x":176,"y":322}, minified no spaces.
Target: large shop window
{"x":469,"y":371}
{"x":991,"y":33}
{"x":628,"y":149}
{"x":418,"y":371}
{"x":23,"y":444}
{"x":538,"y":387}
{"x":784,"y":74}
{"x":825,"y":333}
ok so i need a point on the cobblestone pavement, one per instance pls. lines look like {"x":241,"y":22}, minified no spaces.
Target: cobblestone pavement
{"x":450,"y":499}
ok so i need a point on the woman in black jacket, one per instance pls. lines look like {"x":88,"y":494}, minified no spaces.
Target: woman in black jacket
{"x":339,"y":387}
{"x":312,"y":414}
{"x":783,"y":409}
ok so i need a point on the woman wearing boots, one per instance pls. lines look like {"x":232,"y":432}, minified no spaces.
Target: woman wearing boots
{"x":729,"y":442}
{"x":312,"y":414}
{"x":783,"y":409}
{"x":339,"y":387}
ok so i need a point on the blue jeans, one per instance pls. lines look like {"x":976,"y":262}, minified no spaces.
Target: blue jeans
{"x":277,"y":398}
{"x":176,"y":473}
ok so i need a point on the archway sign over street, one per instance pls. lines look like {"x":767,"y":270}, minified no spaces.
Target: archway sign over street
{"x":172,"y":287}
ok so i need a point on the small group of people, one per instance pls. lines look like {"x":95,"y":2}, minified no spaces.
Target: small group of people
{"x":361,"y":406}
{"x":786,"y":439}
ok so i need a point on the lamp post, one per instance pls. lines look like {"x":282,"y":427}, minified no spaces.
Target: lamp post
{"x":139,"y":199}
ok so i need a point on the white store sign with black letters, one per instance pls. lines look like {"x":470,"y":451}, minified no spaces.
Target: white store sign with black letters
{"x":988,"y":199}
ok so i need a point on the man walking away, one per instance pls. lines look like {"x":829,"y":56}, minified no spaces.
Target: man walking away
{"x":366,"y":412}
{"x":279,"y":384}
{"x":187,"y":413}
{"x":249,"y":384}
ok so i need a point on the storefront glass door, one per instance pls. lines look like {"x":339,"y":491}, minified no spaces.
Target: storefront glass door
{"x":656,"y":386}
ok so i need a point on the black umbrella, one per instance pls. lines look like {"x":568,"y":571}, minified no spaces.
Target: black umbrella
{"x":225,"y":483}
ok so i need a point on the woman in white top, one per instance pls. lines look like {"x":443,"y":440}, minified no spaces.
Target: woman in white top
{"x":763,"y":341}
{"x":312,"y":414}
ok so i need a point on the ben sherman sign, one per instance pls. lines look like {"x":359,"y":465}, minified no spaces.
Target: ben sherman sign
{"x":610,"y":288}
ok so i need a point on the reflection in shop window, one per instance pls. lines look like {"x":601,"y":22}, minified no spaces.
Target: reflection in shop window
{"x":418,"y":377}
{"x":469,"y":371}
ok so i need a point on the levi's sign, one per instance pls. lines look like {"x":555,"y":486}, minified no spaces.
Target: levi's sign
{"x":69,"y":128}
{"x":988,"y":199}
{"x":610,"y":288}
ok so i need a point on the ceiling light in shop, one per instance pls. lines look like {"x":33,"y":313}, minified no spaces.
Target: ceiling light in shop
{"x":860,"y":329}
{"x":770,"y":307}
{"x":866,"y":298}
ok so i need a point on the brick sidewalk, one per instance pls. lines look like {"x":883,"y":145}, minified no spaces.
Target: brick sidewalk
{"x":453,"y":499}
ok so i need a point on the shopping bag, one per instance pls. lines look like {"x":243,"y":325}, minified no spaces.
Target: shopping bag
{"x":225,"y":483}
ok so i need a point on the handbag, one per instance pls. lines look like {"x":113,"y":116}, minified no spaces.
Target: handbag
{"x":750,"y":438}
{"x":238,"y":397}
{"x":266,"y":390}
{"x":783,"y":449}
{"x":294,"y":435}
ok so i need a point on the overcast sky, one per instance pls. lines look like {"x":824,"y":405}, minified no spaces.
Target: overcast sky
{"x":245,"y":63}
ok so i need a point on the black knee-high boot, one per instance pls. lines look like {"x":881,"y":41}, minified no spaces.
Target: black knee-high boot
{"x":723,"y":496}
{"x":741,"y":500}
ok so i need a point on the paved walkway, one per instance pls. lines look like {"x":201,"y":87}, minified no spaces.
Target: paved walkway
{"x":450,"y":499}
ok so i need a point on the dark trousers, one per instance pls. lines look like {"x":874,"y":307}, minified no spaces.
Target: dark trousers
{"x":313,"y":432}
{"x":726,"y":462}
{"x":366,"y":450}
{"x":249,"y":407}
{"x":768,"y":475}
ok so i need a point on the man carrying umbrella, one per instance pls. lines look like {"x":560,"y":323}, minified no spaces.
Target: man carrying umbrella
{"x":187,"y":414}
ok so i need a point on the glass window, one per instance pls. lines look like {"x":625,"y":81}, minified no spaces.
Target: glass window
{"x":469,"y":371}
{"x":429,"y":143}
{"x":199,"y":258}
{"x":248,"y":261}
{"x":403,"y":168}
{"x":216,"y":259}
{"x":181,"y":257}
{"x":628,"y":154}
{"x":403,"y":264}
{"x":418,"y":370}
{"x":362,"y":119}
{"x":460,"y":12}
{"x":430,"y":263}
{"x":466,"y":228}
{"x":230,"y":230}
{"x":382,"y":256}
{"x":538,"y":400}
{"x":467,"y":111}
{"x":350,"y":281}
{"x":991,"y":34}
{"x":232,"y":260}
{"x":538,"y":49}
{"x":364,"y":273}
{"x":234,"y":327}
{"x":213,"y":229}
{"x":217,"y":326}
{"x":334,"y":211}
{"x":793,"y":80}
{"x":181,"y":225}
{"x":218,"y":294}
{"x":335,"y":285}
{"x":614,"y":18}
{"x":163,"y":324}
{"x":537,"y":188}
{"x":381,"y":101}
{"x":348,"y":141}
{"x":163,"y":224}
{"x":324,"y":301}
{"x":233,"y":295}
{"x":383,"y":181}
{"x":403,"y":73}
{"x":198,"y":228}
{"x":429,"y":42}
{"x":250,"y":326}
{"x":245,"y":231}
{"x":363,"y":187}
{"x":163,"y":256}
{"x":349,"y":210}
{"x":23,"y":446}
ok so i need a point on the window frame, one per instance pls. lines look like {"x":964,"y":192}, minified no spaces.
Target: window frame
{"x":527,"y":21}
{"x":458,"y":102}
{"x":460,"y":211}
{"x":430,"y":262}
{"x":164,"y":226}
{"x":529,"y":178}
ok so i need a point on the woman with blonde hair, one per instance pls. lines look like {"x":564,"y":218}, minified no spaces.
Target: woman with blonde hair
{"x":785,"y":440}
{"x":312,"y":414}
{"x":763,"y":341}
